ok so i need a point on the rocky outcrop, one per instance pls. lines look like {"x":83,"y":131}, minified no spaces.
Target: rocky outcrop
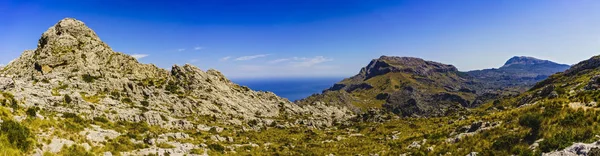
{"x":584,"y":66}
{"x":71,"y":60}
{"x":470,"y":130}
{"x":593,"y":84}
{"x":577,"y":149}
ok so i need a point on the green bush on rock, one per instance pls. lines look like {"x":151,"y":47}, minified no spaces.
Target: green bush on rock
{"x":17,"y":134}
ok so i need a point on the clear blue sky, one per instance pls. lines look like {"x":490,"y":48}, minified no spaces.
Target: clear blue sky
{"x":316,"y":38}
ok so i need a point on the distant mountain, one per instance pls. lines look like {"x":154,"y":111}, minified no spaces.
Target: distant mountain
{"x":404,"y":85}
{"x":518,"y":73}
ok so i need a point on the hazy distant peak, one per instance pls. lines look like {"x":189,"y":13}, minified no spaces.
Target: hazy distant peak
{"x":525,"y":60}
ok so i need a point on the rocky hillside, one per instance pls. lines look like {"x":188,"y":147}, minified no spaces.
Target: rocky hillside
{"x":558,"y":116}
{"x":403,"y":85}
{"x":518,"y":73}
{"x":73,"y":89}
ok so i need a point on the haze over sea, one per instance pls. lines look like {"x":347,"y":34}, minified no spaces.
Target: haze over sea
{"x":290,"y":88}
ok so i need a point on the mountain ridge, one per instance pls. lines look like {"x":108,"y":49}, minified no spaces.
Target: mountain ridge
{"x":74,"y":78}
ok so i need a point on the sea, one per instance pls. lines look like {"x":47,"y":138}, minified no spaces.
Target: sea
{"x":290,"y":88}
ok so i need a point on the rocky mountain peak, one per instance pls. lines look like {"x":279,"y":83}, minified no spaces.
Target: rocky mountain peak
{"x":70,"y":48}
{"x":65,"y":30}
{"x":524,"y":60}
{"x":386,"y":64}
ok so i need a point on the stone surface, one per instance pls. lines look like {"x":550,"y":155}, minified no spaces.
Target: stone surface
{"x":98,"y":135}
{"x":575,"y":149}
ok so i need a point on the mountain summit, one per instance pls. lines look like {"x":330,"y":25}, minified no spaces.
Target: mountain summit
{"x":519,"y":73}
{"x":524,"y":60}
{"x":70,"y":47}
{"x":387,"y":64}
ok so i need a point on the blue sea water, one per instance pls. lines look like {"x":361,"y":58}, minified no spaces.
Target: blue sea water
{"x":292,"y":89}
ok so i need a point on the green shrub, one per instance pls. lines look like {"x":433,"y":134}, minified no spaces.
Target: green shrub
{"x":217,"y":148}
{"x":197,"y":151}
{"x":164,"y":145}
{"x":121,"y":144}
{"x":101,"y":119}
{"x":10,"y":99}
{"x":145,"y":103}
{"x":506,"y":142}
{"x":533,"y":121}
{"x":552,"y":108}
{"x":115,"y":95}
{"x":18,"y":135}
{"x":134,"y":136}
{"x":558,"y":141}
{"x":88,"y":78}
{"x":74,"y":150}
{"x":68,"y":99}
{"x":73,"y":116}
{"x":575,"y":119}
{"x":135,"y":127}
{"x":32,"y":111}
{"x":382,"y":96}
{"x":172,"y":87}
{"x":213,"y":130}
{"x":253,"y":123}
{"x":127,"y":101}
{"x":520,"y":150}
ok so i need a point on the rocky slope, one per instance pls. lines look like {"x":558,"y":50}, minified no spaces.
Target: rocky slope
{"x":518,"y":73}
{"x":404,"y":85}
{"x":73,"y":75}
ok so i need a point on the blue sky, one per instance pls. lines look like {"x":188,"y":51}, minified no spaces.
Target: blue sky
{"x":316,"y":38}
